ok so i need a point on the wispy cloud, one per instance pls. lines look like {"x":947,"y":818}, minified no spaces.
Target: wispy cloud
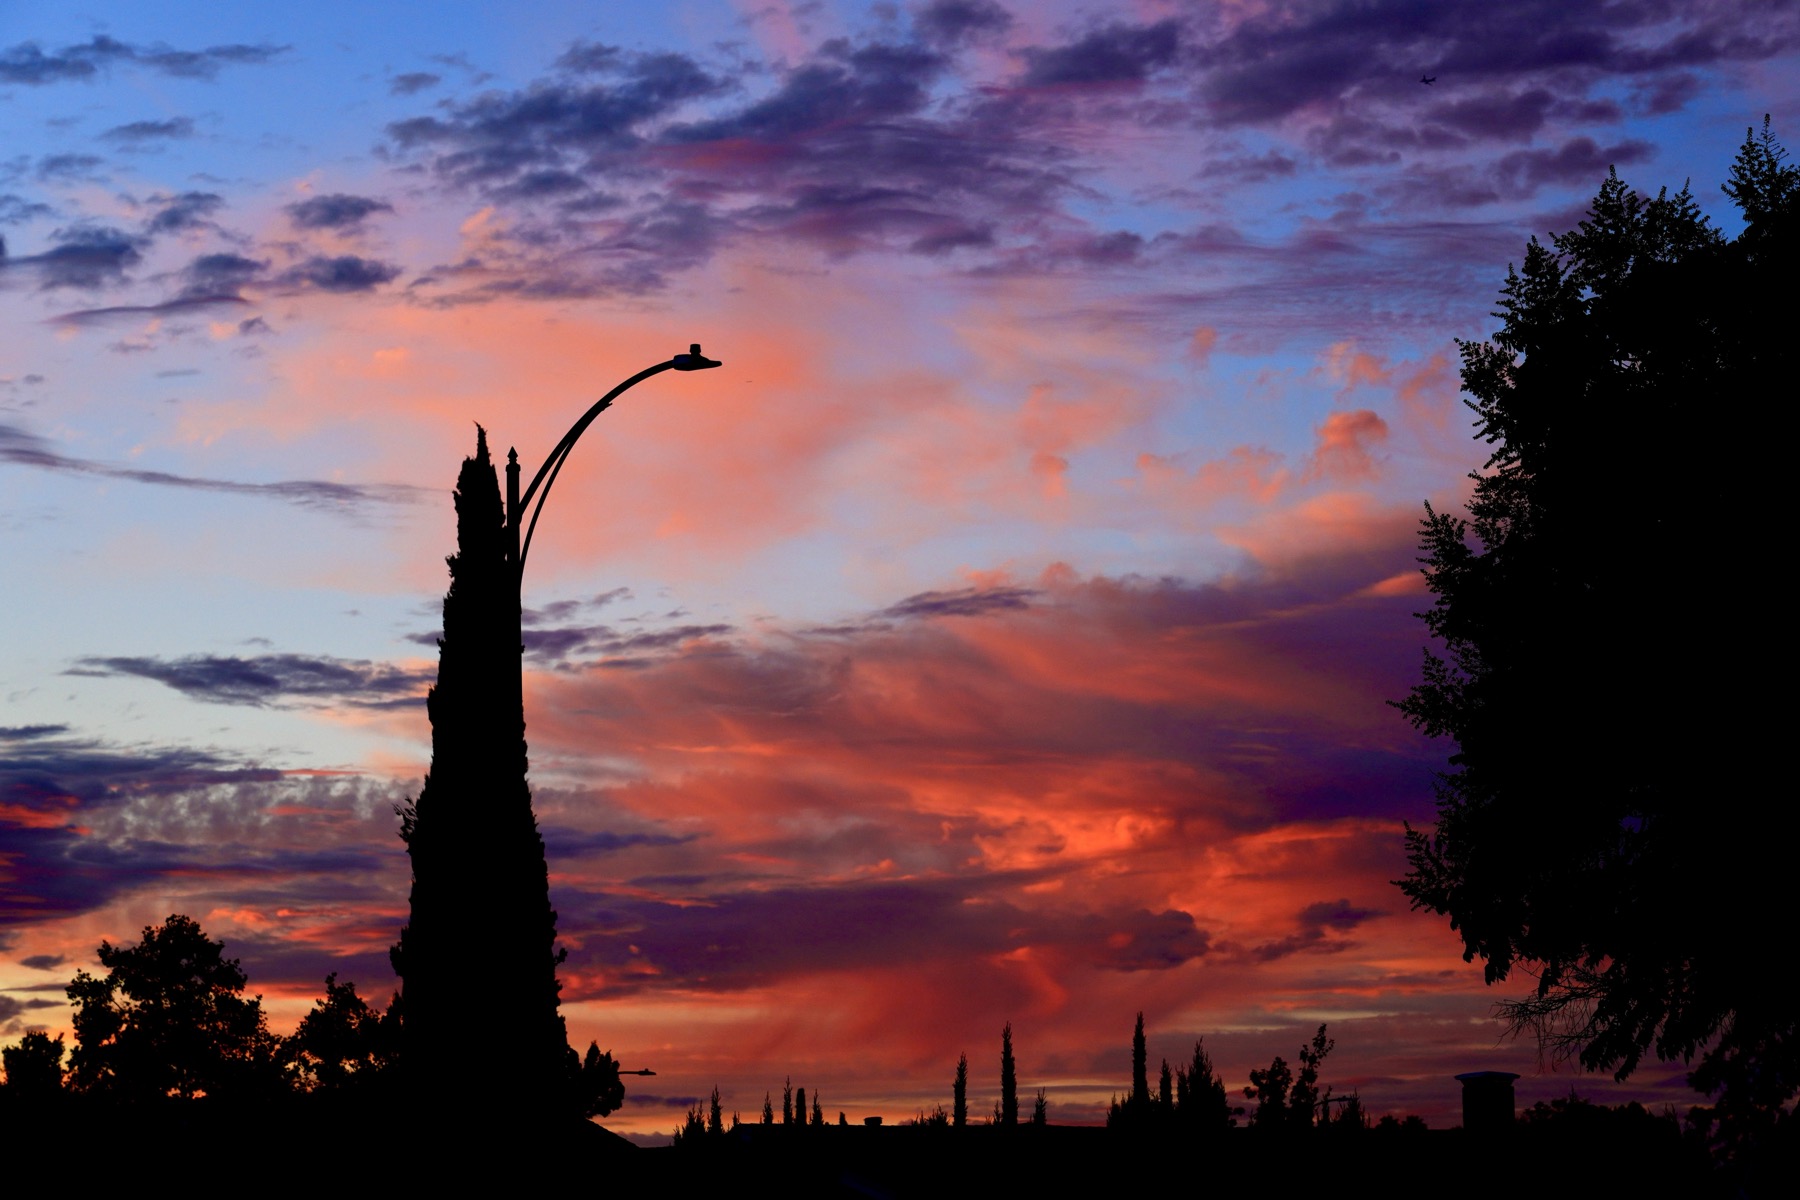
{"x":269,"y":679}
{"x":19,"y":447}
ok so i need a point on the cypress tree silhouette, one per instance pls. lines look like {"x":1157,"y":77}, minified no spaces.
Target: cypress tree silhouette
{"x":1140,"y":1071}
{"x":960,"y":1093}
{"x":1009,"y":1080}
{"x":479,"y":949}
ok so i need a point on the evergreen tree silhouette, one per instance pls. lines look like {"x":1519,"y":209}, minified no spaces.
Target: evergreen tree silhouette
{"x":1202,"y":1104}
{"x":960,"y":1094}
{"x":787,"y":1101}
{"x":818,"y":1117}
{"x":800,"y":1107}
{"x":768,"y":1112}
{"x":1140,"y":1072}
{"x":478,"y":951}
{"x":715,"y":1117}
{"x":1009,"y":1080}
{"x":1583,"y":675}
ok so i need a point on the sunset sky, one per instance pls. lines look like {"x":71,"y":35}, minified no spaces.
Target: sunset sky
{"x":1003,"y":634}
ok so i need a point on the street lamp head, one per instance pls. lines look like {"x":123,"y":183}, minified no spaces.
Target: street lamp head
{"x":693,"y":360}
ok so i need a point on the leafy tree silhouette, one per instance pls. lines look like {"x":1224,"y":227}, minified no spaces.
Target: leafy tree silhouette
{"x":169,"y":1019}
{"x":960,"y":1093}
{"x":480,"y":900}
{"x":1269,"y":1088}
{"x":1303,"y":1104}
{"x":596,"y":1087}
{"x":33,"y":1068}
{"x":1009,"y":1080}
{"x":1583,"y":679}
{"x":342,"y":1044}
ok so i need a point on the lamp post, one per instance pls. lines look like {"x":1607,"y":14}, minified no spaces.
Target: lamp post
{"x":518,"y":531}
{"x":519,"y":540}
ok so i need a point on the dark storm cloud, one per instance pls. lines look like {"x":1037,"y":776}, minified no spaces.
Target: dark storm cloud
{"x":28,"y":63}
{"x":1116,"y":54}
{"x":335,"y":211}
{"x":343,"y":273}
{"x":43,"y":962}
{"x":21,"y":448}
{"x":737,"y":940}
{"x":138,"y":132}
{"x":272,"y":679}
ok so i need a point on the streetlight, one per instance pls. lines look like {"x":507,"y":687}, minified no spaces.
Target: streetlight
{"x":518,"y":545}
{"x":693,"y":360}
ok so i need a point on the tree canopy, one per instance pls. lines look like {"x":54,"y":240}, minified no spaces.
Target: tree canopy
{"x":169,"y":1019}
{"x":342,"y":1045}
{"x":1605,"y":672}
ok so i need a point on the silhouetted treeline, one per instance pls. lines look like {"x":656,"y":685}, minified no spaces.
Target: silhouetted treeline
{"x":168,"y":1021}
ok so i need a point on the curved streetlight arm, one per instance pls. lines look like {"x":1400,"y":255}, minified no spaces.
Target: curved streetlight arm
{"x":691,"y":361}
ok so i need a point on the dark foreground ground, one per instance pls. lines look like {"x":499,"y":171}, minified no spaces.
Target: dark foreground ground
{"x":194,"y":1148}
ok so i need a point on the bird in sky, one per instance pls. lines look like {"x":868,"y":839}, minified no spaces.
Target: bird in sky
{"x":1428,"y":79}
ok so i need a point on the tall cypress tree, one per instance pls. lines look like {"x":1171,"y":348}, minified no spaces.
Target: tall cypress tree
{"x":1009,"y":1080}
{"x":1140,"y":1072}
{"x":960,"y":1093}
{"x":478,"y":953}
